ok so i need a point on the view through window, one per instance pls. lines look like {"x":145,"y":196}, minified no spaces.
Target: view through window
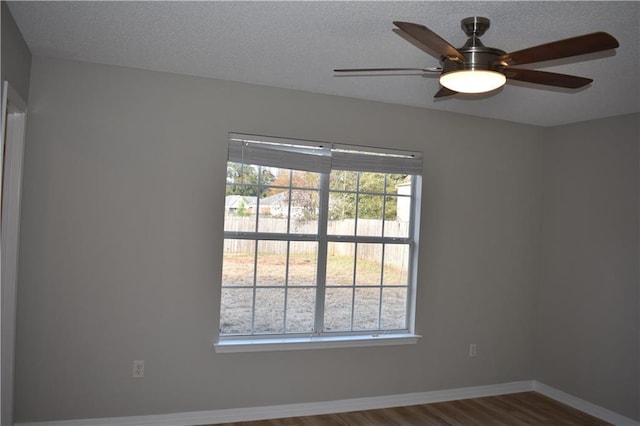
{"x":319,"y":239}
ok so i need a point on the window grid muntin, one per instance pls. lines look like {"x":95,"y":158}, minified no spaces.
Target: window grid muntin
{"x":321,"y":270}
{"x":286,"y":285}
{"x":354,"y":274}
{"x":255,"y":276}
{"x":323,"y":238}
{"x":384,"y":207}
{"x":384,"y":249}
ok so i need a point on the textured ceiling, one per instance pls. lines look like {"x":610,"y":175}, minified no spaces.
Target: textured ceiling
{"x":298,"y":44}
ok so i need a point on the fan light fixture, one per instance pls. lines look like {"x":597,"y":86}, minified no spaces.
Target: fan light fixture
{"x":472,"y":81}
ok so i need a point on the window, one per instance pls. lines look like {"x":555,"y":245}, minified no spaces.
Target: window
{"x":320,"y":242}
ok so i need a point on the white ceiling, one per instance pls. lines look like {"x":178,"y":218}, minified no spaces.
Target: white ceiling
{"x":297,"y":45}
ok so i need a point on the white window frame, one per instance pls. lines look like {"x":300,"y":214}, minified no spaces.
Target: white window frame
{"x":326,"y":157}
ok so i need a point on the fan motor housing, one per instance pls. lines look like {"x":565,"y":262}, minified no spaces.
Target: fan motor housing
{"x":477,"y":55}
{"x":476,"y":58}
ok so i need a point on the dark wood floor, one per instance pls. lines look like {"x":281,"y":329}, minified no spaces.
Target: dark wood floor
{"x":526,"y":408}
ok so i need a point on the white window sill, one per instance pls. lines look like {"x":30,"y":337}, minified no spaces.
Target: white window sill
{"x":300,"y":343}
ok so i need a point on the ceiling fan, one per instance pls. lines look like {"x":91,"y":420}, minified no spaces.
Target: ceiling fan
{"x":475,"y":68}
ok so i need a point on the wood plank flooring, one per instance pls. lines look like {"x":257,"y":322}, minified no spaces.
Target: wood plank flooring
{"x":519,"y":409}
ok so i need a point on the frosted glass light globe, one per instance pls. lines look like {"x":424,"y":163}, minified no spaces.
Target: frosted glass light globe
{"x":473,"y":81}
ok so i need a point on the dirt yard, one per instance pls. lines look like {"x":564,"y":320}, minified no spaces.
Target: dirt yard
{"x":348,"y":305}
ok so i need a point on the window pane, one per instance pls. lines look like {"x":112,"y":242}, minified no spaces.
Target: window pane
{"x":369,"y":264}
{"x":266,"y":176}
{"x":390,"y":207}
{"x":237,"y":262}
{"x":301,"y":304}
{"x":366,"y":308}
{"x":396,"y":228}
{"x":268,"y":224}
{"x":341,"y":227}
{"x":342,"y":206}
{"x":343,"y":180}
{"x":239,"y":213}
{"x":304,"y":226}
{"x":303,"y":263}
{"x":370,"y":215}
{"x":304,"y":205}
{"x":273,"y":212}
{"x":403,"y":203}
{"x":340,"y":263}
{"x":269,"y":310}
{"x":396,"y":264}
{"x":282,"y":178}
{"x":302,"y":179}
{"x":395,"y":181}
{"x":271,"y":263}
{"x":337,"y":309}
{"x":371,"y":182}
{"x":370,"y":207}
{"x":241,"y":174}
{"x":235,"y":311}
{"x":394,"y":308}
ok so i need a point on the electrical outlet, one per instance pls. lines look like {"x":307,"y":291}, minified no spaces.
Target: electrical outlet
{"x":473,"y":350}
{"x":138,"y":369}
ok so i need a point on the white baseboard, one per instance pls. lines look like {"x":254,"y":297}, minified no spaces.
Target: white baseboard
{"x":584,"y":406}
{"x":345,"y":405}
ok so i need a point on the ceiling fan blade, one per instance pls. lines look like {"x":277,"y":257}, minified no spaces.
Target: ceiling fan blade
{"x":588,"y":43}
{"x":444,"y":92}
{"x":548,"y":78}
{"x":429,"y":39}
{"x":416,"y":43}
{"x":422,"y":70}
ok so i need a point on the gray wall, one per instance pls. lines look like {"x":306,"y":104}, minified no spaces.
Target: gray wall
{"x":122,"y":231}
{"x":16,"y":57}
{"x":587,"y":337}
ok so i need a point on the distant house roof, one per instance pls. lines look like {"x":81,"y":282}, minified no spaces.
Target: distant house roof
{"x":232,"y":202}
{"x":275,"y":199}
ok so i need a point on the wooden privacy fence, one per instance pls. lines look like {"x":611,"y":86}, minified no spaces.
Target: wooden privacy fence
{"x":394,"y":254}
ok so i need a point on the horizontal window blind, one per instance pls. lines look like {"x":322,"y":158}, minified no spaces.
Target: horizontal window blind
{"x":320,"y":157}
{"x":368,"y":161}
{"x":282,"y":153}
